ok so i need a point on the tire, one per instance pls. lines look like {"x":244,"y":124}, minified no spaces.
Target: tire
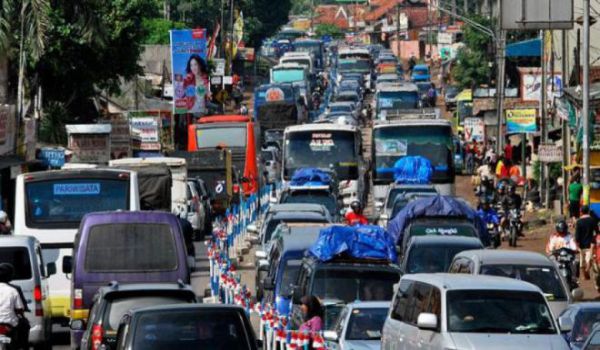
{"x":513,"y":237}
{"x":497,"y":241}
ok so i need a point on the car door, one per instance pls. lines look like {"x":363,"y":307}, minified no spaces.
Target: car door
{"x":396,"y":330}
{"x":431,"y":339}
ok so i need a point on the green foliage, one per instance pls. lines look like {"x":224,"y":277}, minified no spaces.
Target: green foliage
{"x":301,"y":7}
{"x":329,"y":29}
{"x":555,"y":170}
{"x":156,"y":30}
{"x":51,"y":126}
{"x":472,"y":67}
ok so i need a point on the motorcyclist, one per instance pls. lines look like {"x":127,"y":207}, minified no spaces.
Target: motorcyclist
{"x":485,"y":190}
{"x":487,"y":213}
{"x":12,"y":307}
{"x":355,"y":216}
{"x":511,"y":200}
{"x":561,"y":238}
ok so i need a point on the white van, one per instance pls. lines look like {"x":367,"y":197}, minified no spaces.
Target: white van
{"x":24,"y":253}
{"x":457,"y":311}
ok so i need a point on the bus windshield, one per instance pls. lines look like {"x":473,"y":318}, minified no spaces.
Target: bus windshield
{"x":287,"y":75}
{"x":394,"y":100}
{"x":431,"y":142}
{"x":211,"y":137}
{"x":322,"y":149}
{"x":62,"y":203}
{"x":354,"y":65}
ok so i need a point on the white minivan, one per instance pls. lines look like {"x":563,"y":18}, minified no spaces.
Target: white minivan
{"x":467,"y":312}
{"x":24,"y":253}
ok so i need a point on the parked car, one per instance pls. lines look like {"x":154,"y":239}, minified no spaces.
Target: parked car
{"x":430,"y":254}
{"x":577,"y":321}
{"x":593,"y":341}
{"x":455,"y":311}
{"x":112,"y":302}
{"x":24,"y":253}
{"x":531,"y":267}
{"x":359,"y":326}
{"x":199,"y":326}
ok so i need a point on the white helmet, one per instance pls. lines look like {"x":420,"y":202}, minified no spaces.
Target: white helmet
{"x":3,"y":216}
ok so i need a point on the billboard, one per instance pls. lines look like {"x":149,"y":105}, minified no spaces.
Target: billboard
{"x":536,"y":14}
{"x":190,"y":70}
{"x":474,"y":129}
{"x":148,"y":127}
{"x":520,"y":121}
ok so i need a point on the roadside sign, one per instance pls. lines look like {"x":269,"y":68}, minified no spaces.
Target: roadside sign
{"x":219,"y":66}
{"x":550,"y":153}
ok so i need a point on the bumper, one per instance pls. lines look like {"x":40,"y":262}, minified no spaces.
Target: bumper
{"x":60,"y":306}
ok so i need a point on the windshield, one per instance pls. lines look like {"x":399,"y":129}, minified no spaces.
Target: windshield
{"x":211,"y":137}
{"x":354,"y":284}
{"x":354,"y":65}
{"x":395,"y":100}
{"x":432,"y":259}
{"x":130,"y":247}
{"x":289,"y":276}
{"x":464,"y":109}
{"x":313,"y":197}
{"x":498,"y":311}
{"x":326,"y":149}
{"x":273,"y":223}
{"x":431,"y":142}
{"x":585,"y":321}
{"x":190,"y":329}
{"x":62,"y":203}
{"x":119,"y":306}
{"x":542,"y":276}
{"x":287,"y":75}
{"x":442,"y":229}
{"x":366,"y":324}
{"x":18,"y":257}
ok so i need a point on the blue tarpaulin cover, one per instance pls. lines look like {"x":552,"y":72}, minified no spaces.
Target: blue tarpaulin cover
{"x":360,"y":242}
{"x":527,"y":48}
{"x":436,"y":206}
{"x":410,"y":170}
{"x":310,"y":177}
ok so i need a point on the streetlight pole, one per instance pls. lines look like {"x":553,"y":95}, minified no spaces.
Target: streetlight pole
{"x":586,"y":96}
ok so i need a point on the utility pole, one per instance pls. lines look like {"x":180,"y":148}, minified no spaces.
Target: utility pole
{"x":566,"y":134}
{"x":466,"y":7}
{"x":544,"y":120}
{"x":586,"y":97}
{"x":222,"y":31}
{"x":500,"y":91}
{"x":398,"y":46}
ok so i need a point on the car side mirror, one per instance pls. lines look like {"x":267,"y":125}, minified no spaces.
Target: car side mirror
{"x":67,"y":264}
{"x":51,"y":268}
{"x":565,"y":324}
{"x":77,"y":325}
{"x":330,"y":336}
{"x":427,"y":321}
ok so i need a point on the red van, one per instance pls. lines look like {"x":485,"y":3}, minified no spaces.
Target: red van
{"x":238,"y":133}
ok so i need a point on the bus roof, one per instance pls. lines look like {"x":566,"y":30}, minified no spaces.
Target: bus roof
{"x":168,"y":161}
{"x":465,"y":95}
{"x":397,"y":86}
{"x":231,"y":118}
{"x":66,"y":173}
{"x":320,"y":127}
{"x":411,"y":122}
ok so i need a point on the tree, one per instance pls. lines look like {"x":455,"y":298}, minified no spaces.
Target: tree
{"x":156,"y":30}
{"x":473,"y":60}
{"x":329,"y":29}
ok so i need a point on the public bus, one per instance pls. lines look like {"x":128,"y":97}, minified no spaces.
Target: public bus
{"x":428,"y":138}
{"x":315,"y":47}
{"x":328,"y":146}
{"x":238,"y":133}
{"x":49,"y":206}
{"x":464,"y":108}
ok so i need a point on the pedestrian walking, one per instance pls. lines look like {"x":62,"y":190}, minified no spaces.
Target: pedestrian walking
{"x":432,"y":96}
{"x":575,"y":191}
{"x":586,"y":230}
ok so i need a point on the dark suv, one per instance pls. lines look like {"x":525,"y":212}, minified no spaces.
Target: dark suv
{"x":112,"y":302}
{"x":344,"y":279}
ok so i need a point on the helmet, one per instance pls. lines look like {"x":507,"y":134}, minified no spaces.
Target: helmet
{"x":356,"y":206}
{"x":561,"y":226}
{"x":3,"y":216}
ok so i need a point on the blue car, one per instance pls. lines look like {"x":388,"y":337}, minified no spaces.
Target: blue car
{"x":420,"y":73}
{"x":581,"y":319}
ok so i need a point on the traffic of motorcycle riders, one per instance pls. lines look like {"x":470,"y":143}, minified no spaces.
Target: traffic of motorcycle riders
{"x":328,"y":215}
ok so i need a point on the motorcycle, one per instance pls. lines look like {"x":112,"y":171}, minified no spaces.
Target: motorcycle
{"x":565,"y":259}
{"x":4,"y":338}
{"x":494,"y":234}
{"x":515,"y":226}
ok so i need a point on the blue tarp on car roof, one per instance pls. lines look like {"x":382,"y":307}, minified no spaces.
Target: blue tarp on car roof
{"x":527,"y":48}
{"x":436,"y":206}
{"x":310,"y":177}
{"x":359,"y":242}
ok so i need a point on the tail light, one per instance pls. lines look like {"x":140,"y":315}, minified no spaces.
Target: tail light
{"x":37,"y":297}
{"x":97,"y":334}
{"x":77,"y":299}
{"x":236,"y":188}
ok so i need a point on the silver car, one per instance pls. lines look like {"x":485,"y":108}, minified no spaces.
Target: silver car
{"x":358,"y":326}
{"x":526,"y":266}
{"x":459,"y":311}
{"x":386,"y":207}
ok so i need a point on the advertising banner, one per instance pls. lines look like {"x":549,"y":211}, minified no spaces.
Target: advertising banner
{"x":521,"y":121}
{"x":190,"y":70}
{"x":148,"y":127}
{"x":474,"y":129}
{"x":550,"y":153}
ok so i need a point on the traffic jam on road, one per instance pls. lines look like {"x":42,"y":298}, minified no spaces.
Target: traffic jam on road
{"x":325,"y":218}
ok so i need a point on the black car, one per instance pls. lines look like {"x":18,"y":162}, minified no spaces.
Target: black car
{"x":112,"y":302}
{"x":183,"y":327}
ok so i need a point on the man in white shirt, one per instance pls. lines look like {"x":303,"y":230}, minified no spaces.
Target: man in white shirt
{"x":11,"y":306}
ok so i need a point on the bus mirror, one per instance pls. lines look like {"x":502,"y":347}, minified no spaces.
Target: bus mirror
{"x":67,"y":264}
{"x":51,"y":268}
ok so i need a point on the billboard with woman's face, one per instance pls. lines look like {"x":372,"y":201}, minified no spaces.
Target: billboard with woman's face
{"x":190,"y":71}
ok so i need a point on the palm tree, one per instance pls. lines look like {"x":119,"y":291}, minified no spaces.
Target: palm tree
{"x":27,"y":20}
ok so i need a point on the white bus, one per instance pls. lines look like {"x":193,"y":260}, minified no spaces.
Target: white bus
{"x":327,"y":146}
{"x":49,"y":206}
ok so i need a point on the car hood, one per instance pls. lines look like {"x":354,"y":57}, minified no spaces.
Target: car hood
{"x":362,"y":345}
{"x":509,"y":341}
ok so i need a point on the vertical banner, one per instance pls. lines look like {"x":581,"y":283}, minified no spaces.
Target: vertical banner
{"x":190,"y":70}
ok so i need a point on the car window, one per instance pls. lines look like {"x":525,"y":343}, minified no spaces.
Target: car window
{"x":401,"y":300}
{"x":545,"y":277}
{"x":585,"y":322}
{"x":339,"y":324}
{"x":117,"y":307}
{"x":366,"y":284}
{"x":419,"y":301}
{"x":19,"y":258}
{"x":366,"y":323}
